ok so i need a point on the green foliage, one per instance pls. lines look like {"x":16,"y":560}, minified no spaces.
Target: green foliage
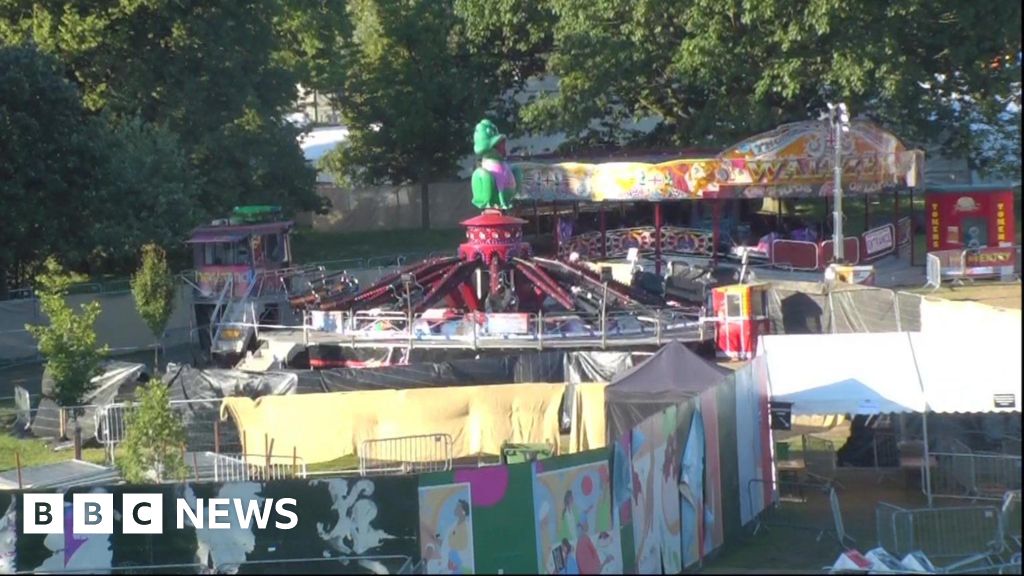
{"x":185,"y":90}
{"x":153,"y":287}
{"x":413,"y":90}
{"x":68,"y":342}
{"x":712,"y":72}
{"x":154,"y":438}
{"x":51,"y":162}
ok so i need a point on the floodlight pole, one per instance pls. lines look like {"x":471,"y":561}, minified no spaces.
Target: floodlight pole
{"x":840,"y":121}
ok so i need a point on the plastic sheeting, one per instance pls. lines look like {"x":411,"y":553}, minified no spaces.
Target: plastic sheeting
{"x":117,"y":379}
{"x":531,"y":367}
{"x":812,"y":308}
{"x":197,"y":396}
{"x":326,"y":427}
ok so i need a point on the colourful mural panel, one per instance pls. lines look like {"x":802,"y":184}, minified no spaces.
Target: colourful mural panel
{"x":500,"y":518}
{"x":446,"y":529}
{"x":657,"y":524}
{"x":713,"y":521}
{"x":577,"y":531}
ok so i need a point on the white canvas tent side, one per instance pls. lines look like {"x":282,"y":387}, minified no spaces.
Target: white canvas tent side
{"x":864,"y":373}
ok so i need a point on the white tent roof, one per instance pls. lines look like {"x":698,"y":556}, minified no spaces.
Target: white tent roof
{"x":868,"y":373}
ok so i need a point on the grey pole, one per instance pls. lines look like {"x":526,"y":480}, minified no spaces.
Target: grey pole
{"x":837,"y":185}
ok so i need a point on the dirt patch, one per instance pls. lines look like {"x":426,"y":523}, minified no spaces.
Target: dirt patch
{"x":998,"y":295}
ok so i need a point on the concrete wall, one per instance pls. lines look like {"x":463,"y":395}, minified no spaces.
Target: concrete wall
{"x":391,"y":207}
{"x":119,"y":325}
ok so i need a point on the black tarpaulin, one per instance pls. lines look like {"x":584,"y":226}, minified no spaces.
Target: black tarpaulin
{"x":667,"y":378}
{"x":196,"y":395}
{"x":117,"y":378}
{"x":487,"y":369}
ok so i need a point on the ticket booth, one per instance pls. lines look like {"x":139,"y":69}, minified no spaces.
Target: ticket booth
{"x":969,"y":217}
{"x":741,"y":316}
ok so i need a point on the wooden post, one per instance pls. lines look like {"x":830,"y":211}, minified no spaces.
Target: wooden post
{"x":604,"y":230}
{"x":216,"y":437}
{"x":295,"y":460}
{"x":244,"y":451}
{"x":195,"y":464}
{"x":17,"y":462}
{"x":78,"y":441}
{"x":266,"y":448}
{"x":657,"y":238}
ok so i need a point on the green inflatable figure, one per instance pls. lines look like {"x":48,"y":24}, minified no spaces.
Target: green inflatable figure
{"x":495,"y":182}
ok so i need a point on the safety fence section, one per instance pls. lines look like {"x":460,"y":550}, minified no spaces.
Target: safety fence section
{"x":959,"y":266}
{"x":940,"y":533}
{"x":406,"y":455}
{"x":808,"y":457}
{"x":963,"y":473}
{"x":803,"y":506}
{"x":248,"y":467}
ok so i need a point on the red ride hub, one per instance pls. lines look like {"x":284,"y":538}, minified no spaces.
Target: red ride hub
{"x":493,"y":235}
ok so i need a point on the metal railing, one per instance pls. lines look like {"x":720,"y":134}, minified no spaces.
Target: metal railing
{"x":406,"y":454}
{"x":962,"y":473}
{"x":250,"y":467}
{"x":504,"y":330}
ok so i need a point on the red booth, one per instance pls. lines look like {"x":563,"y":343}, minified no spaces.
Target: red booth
{"x":968,"y":217}
{"x":742,"y":316}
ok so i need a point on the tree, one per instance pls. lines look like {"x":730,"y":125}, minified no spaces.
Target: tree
{"x":154,"y":438}
{"x":413,"y":90}
{"x":712,"y":72}
{"x":213,"y":74}
{"x":50,"y":165}
{"x":68,"y":342}
{"x":153,"y":287}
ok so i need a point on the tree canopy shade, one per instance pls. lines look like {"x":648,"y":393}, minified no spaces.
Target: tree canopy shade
{"x":414,"y":87}
{"x":715,"y":71}
{"x":212,"y":74}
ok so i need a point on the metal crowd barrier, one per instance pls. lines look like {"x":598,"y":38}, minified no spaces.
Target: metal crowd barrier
{"x":785,"y":512}
{"x":406,"y":454}
{"x":962,"y":473}
{"x":941,"y":533}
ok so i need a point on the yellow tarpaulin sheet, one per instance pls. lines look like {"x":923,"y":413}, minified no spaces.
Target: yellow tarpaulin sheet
{"x":588,"y":422}
{"x":325,"y":427}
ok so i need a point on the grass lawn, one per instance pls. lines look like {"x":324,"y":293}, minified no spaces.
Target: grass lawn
{"x":34,"y":452}
{"x":309,"y":246}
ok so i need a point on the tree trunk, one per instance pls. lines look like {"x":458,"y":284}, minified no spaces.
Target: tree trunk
{"x":425,"y":204}
{"x":3,"y":281}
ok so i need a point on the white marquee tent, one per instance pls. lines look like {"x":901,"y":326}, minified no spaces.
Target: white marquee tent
{"x":865,"y":373}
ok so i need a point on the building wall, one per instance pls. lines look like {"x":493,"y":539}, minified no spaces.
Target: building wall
{"x":391,"y":207}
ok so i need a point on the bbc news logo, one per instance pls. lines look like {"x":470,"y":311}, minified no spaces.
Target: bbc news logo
{"x":93,"y":513}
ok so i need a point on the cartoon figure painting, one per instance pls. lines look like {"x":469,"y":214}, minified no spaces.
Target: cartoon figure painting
{"x":70,"y":551}
{"x":446,"y":529}
{"x":8,"y":537}
{"x":225,"y":550}
{"x":576,"y":530}
{"x":691,"y":491}
{"x":354,"y":533}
